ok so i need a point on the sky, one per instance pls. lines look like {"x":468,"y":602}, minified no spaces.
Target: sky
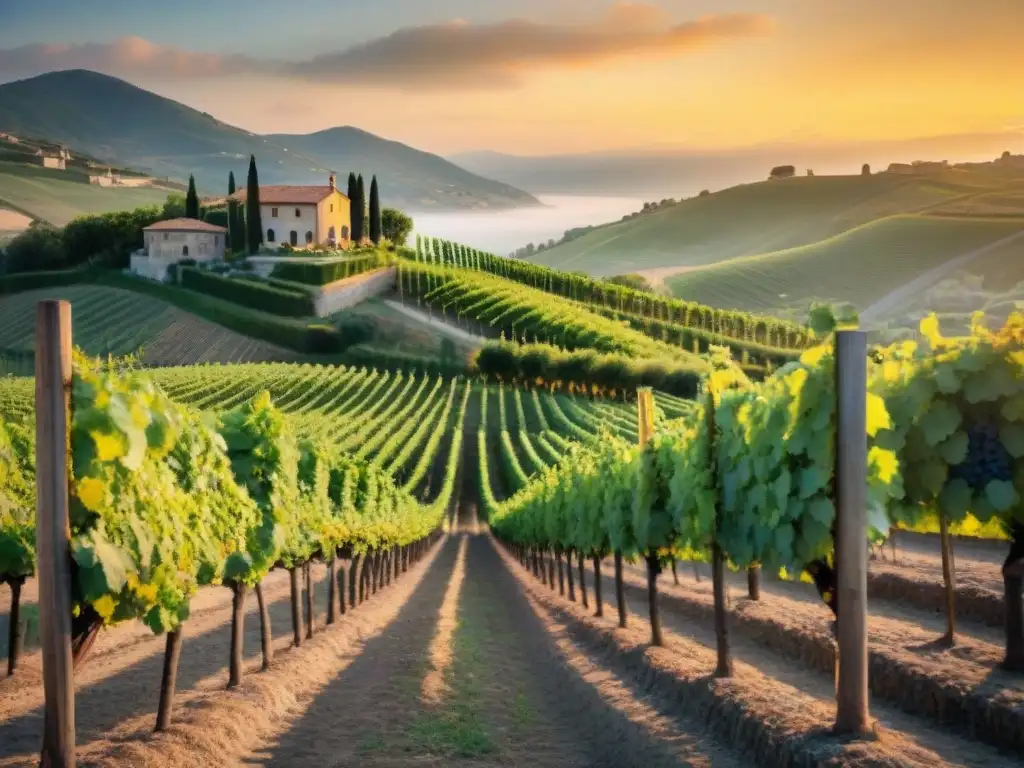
{"x":553,"y":76}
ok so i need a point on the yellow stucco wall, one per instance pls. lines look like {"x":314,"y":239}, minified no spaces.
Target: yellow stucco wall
{"x":340,"y":217}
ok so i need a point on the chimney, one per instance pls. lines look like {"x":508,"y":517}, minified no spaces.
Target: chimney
{"x":330,"y":180}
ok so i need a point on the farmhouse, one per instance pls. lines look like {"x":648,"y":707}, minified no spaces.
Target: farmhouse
{"x":168,"y":242}
{"x":54,"y":161}
{"x":303,"y":216}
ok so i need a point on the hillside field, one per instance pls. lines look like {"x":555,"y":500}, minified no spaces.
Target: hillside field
{"x":860,"y":266}
{"x":758,"y":218}
{"x":58,"y":196}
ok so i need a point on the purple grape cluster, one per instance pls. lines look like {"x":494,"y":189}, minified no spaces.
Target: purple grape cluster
{"x":987,"y":458}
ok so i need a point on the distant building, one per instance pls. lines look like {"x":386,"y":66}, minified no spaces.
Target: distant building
{"x":10,"y":138}
{"x":902,"y":168}
{"x":168,"y":242}
{"x":111,"y":179}
{"x":303,"y":216}
{"x":102,"y":179}
{"x":56,"y":162}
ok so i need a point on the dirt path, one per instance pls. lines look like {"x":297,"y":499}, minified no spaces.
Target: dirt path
{"x":437,"y":324}
{"x":468,"y":674}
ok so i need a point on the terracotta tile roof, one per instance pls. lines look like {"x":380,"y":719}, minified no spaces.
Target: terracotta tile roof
{"x":184,"y":225}
{"x":287,"y":195}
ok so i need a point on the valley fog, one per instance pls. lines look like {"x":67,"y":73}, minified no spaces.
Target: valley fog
{"x":502,"y":232}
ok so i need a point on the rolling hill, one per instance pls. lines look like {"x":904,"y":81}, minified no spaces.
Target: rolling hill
{"x":759,"y":218}
{"x":115,"y":121}
{"x":58,"y":196}
{"x":860,"y":266}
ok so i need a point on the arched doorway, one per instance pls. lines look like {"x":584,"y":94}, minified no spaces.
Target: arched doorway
{"x":309,"y":237}
{"x":270,"y":235}
{"x":184,"y":250}
{"x":293,"y":237}
{"x":344,"y":233}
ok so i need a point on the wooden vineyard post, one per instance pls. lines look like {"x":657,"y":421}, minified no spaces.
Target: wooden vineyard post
{"x":620,"y":592}
{"x":266,"y":638}
{"x":53,"y":388}
{"x":14,"y":635}
{"x":310,"y":618}
{"x":583,"y":578}
{"x":293,"y":581}
{"x":235,"y":669}
{"x":851,"y":532}
{"x":754,"y":582}
{"x":723,"y":666}
{"x":597,"y":586}
{"x":172,"y":652}
{"x":332,"y":589}
{"x":645,"y":417}
{"x":948,"y":579}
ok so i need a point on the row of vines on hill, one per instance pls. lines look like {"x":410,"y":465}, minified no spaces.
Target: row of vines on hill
{"x":717,"y":325}
{"x":748,"y":476}
{"x":165,"y":499}
{"x":561,"y":342}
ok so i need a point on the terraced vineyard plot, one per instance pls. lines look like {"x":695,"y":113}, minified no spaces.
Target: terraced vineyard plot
{"x":117,"y":322}
{"x":860,"y":266}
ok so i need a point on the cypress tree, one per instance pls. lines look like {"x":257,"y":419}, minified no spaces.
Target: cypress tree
{"x":353,"y":193}
{"x":234,"y":239}
{"x":359,"y":212}
{"x":254,"y":224}
{"x":191,"y":200}
{"x":375,"y":223}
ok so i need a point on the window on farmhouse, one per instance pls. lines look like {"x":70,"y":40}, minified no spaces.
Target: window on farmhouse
{"x":309,"y":237}
{"x":166,"y":235}
{"x":270,"y":235}
{"x":332,"y":207}
{"x":273,"y":213}
{"x":216,"y":239}
{"x":298,"y":214}
{"x":184,"y":250}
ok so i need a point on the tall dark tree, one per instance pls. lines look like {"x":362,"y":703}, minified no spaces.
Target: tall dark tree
{"x":234,"y":238}
{"x":359,"y":211}
{"x":375,"y":223}
{"x":254,"y":224}
{"x":191,"y":200}
{"x":353,"y":202}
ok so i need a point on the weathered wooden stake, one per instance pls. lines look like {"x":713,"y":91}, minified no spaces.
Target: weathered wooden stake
{"x":296,"y":590}
{"x":237,"y":634}
{"x":14,"y":637}
{"x":597,"y":586}
{"x":583,"y":578}
{"x":948,"y":579}
{"x":561,"y":575}
{"x":266,"y":636}
{"x":53,"y":387}
{"x":620,"y":591}
{"x":754,"y":582}
{"x":571,"y":582}
{"x":310,"y":617}
{"x":332,"y":590}
{"x":172,"y":652}
{"x":851,"y":532}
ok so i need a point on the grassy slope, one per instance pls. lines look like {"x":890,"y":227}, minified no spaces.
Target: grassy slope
{"x":113,"y":321}
{"x":758,"y":218}
{"x":110,"y":320}
{"x":59,"y":196}
{"x":859,"y":266}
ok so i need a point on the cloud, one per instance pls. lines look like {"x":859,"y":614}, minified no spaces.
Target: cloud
{"x":125,"y":56}
{"x":451,"y":55}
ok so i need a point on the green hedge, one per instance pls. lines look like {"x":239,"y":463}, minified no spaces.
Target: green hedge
{"x":329,"y":271}
{"x":609,"y":372}
{"x":268,"y":298}
{"x":30,"y":281}
{"x":293,"y":334}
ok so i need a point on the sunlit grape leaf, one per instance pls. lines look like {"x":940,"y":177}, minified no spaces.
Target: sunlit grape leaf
{"x":877,"y":415}
{"x":102,"y":567}
{"x":930,"y":329}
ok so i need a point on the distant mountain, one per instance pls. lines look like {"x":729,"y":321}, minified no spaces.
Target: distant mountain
{"x":399,"y":166}
{"x":115,"y":121}
{"x":659,"y":172}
